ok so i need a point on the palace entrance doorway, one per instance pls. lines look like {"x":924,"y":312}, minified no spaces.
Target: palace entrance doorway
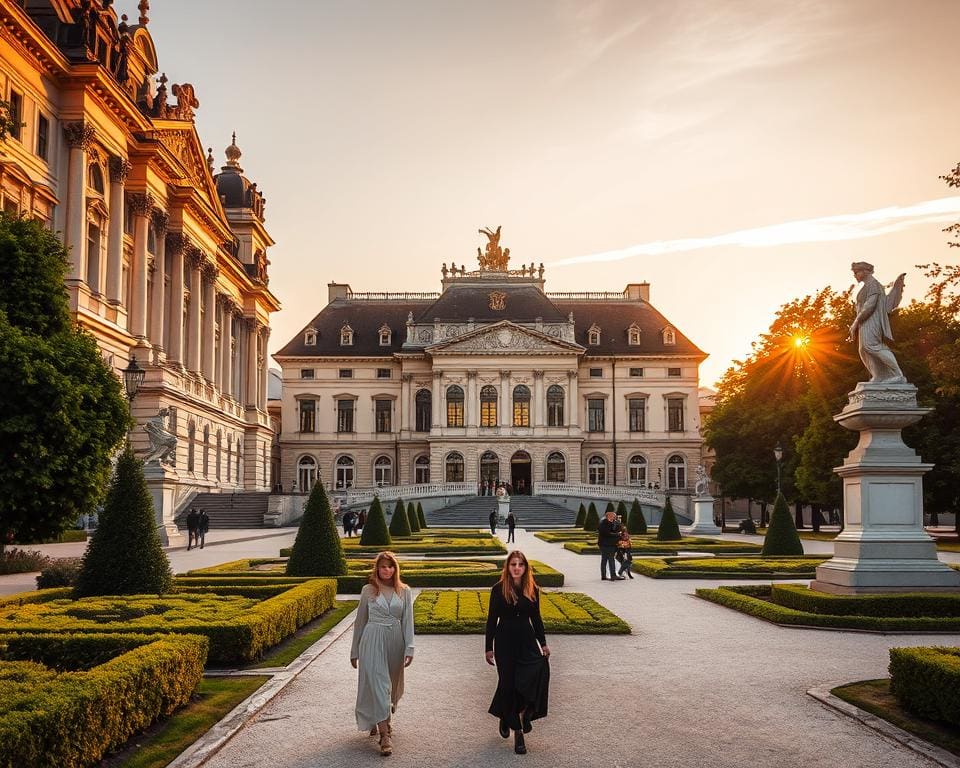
{"x":520,"y":473}
{"x":489,"y":472}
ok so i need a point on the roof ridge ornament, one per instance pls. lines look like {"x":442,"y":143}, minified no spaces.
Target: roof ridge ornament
{"x":494,"y":258}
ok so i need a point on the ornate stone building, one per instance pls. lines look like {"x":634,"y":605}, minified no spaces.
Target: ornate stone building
{"x":168,"y":258}
{"x":492,"y":379}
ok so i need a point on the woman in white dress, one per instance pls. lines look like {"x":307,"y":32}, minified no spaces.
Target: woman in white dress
{"x":383,"y":646}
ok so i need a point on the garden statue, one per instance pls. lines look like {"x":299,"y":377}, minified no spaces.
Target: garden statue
{"x":702,"y":486}
{"x":871,"y":326}
{"x":163,"y":443}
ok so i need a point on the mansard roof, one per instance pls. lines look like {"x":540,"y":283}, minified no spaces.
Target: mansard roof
{"x":522,"y":303}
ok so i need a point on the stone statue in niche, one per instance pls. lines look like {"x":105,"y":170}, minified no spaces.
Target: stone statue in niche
{"x":871,"y":326}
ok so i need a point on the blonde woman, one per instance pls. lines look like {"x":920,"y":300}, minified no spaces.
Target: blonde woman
{"x":382,"y":647}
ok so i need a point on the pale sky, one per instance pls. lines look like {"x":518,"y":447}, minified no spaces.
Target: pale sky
{"x":735,"y":154}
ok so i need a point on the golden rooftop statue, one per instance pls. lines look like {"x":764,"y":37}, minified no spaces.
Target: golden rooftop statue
{"x":495,"y":258}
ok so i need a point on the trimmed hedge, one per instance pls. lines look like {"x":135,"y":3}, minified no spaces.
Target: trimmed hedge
{"x":115,"y":687}
{"x":781,"y":539}
{"x":729,"y":568}
{"x":902,"y":604}
{"x":317,"y":550}
{"x":412,"y":518}
{"x":399,"y":522}
{"x":927,"y":681}
{"x":581,"y":516}
{"x":592,"y":521}
{"x":648,"y":545}
{"x":668,"y":530}
{"x":638,"y":523}
{"x":375,"y":533}
{"x":420,"y":517}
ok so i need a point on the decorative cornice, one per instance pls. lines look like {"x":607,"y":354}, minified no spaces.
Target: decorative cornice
{"x":119,"y":169}
{"x":141,"y":203}
{"x":79,"y":134}
{"x":160,"y":221}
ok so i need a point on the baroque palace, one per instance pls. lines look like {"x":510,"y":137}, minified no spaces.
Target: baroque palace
{"x":491,"y":380}
{"x":168,"y":258}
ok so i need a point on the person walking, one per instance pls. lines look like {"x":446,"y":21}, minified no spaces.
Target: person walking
{"x":382,"y":647}
{"x":203,"y":525}
{"x":625,"y":553}
{"x":608,"y":536}
{"x":517,"y":645}
{"x":493,"y":521}
{"x":511,"y":527}
{"x":192,"y":517}
{"x":361,"y":519}
{"x":348,"y":523}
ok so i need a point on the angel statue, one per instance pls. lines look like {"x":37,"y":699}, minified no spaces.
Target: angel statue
{"x":702,"y":487}
{"x":871,"y":326}
{"x":163,"y":443}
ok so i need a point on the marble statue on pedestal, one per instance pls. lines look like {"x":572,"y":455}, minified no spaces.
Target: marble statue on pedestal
{"x":163,"y":443}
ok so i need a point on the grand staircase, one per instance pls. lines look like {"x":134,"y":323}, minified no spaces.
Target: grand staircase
{"x":531,"y":513}
{"x":244,"y":509}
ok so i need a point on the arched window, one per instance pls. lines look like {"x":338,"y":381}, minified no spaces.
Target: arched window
{"x":633,"y":335}
{"x":556,"y":468}
{"x":489,"y":467}
{"x":421,"y":470}
{"x":306,"y":473}
{"x":424,"y":410}
{"x":669,"y":336}
{"x":191,"y":448}
{"x":206,"y":450}
{"x":454,"y":406}
{"x":216,"y":456}
{"x":555,"y":398}
{"x":597,"y":470}
{"x":593,"y":335}
{"x":454,"y":468}
{"x":521,"y":406}
{"x":488,"y":406}
{"x":676,"y":472}
{"x":344,"y":473}
{"x":383,"y":471}
{"x":637,"y":470}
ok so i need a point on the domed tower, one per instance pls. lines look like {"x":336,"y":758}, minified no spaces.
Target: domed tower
{"x":244,"y":205}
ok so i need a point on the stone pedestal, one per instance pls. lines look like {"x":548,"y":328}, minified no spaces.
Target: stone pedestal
{"x":503,"y":508}
{"x":162,"y":482}
{"x":703,"y":524}
{"x":883,"y":547}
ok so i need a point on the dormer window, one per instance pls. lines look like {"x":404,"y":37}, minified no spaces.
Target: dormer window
{"x":633,"y":335}
{"x":669,"y":336}
{"x":593,"y":336}
{"x":310,"y":338}
{"x":346,"y":336}
{"x":385,"y":335}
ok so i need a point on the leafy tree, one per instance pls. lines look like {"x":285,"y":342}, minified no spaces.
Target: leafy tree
{"x":375,"y":533}
{"x":623,"y":514}
{"x":420,"y":517}
{"x":638,"y":523}
{"x":581,"y":516}
{"x":125,"y":556}
{"x":412,"y":518}
{"x":399,"y":524}
{"x":782,"y":538}
{"x":592,"y":521}
{"x":64,"y":409}
{"x":668,"y":530}
{"x":317,"y":550}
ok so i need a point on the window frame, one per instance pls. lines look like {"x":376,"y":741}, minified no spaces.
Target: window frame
{"x":595,"y":423}
{"x":384,"y":373}
{"x":676,"y":472}
{"x":419,"y":466}
{"x":346,"y":417}
{"x":671,"y":405}
{"x":639,"y":424}
{"x":455,"y":407}
{"x":16,"y":114}
{"x":383,"y":416}
{"x":451,"y":460}
{"x":308,"y":373}
{"x":549,"y":472}
{"x":346,"y":335}
{"x":424,"y":417}
{"x":489,"y":401}
{"x":597,"y":470}
{"x":521,"y":407}
{"x":636,"y":373}
{"x":383,"y":471}
{"x":555,"y":406}
{"x":43,"y":135}
{"x":632,"y":465}
{"x":344,"y":472}
{"x":301,"y":415}
{"x":345,"y":373}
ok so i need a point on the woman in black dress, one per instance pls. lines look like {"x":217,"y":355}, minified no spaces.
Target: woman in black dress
{"x":517,"y":645}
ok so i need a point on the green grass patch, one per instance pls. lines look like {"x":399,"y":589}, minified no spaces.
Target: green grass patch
{"x":875,"y":697}
{"x":306,"y":636}
{"x":446,"y":612}
{"x":729,"y":567}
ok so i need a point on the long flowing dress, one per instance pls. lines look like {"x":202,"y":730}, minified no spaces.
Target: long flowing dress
{"x":382,"y":636}
{"x":523,"y":672}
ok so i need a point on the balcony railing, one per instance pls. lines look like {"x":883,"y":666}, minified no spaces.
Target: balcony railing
{"x":607,"y":492}
{"x":355,"y":496}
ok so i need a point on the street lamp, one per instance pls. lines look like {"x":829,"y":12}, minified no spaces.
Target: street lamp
{"x":132,"y":378}
{"x":778,"y":455}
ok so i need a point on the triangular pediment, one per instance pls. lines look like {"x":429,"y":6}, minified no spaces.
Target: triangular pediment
{"x":181,"y":141}
{"x":505,"y":338}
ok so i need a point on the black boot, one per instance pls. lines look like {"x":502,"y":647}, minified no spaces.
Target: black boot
{"x":518,"y":744}
{"x":504,"y":729}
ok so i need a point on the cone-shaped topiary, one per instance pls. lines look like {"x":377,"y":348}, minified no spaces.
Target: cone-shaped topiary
{"x":782,"y":539}
{"x":375,"y":533}
{"x":623,"y":514}
{"x":610,"y":508}
{"x":668,"y":530}
{"x":592,"y":521}
{"x":581,"y":516}
{"x":420,"y":517}
{"x":412,"y":518}
{"x":638,"y":523}
{"x":399,"y":524}
{"x":317,"y":550}
{"x":124,"y":556}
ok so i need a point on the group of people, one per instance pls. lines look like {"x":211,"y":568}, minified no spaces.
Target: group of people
{"x":510,"y":521}
{"x":515,"y":643}
{"x":198,"y":523}
{"x":353,"y":522}
{"x":613,"y":538}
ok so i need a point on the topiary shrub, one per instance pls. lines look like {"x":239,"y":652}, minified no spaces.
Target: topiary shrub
{"x":62,"y":572}
{"x":581,"y":516}
{"x":610,"y":508}
{"x":124,"y":556}
{"x":638,"y":524}
{"x":412,"y":518}
{"x":782,"y":537}
{"x":375,"y":533}
{"x":668,"y":530}
{"x":623,"y":514}
{"x":317,"y":550}
{"x":420,"y":517}
{"x":592,"y":521}
{"x":399,"y":524}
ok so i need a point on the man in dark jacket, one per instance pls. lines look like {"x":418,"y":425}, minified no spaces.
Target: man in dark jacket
{"x":493,"y":521}
{"x":511,"y":527}
{"x":203,"y":525}
{"x":608,"y":534}
{"x":191,"y":528}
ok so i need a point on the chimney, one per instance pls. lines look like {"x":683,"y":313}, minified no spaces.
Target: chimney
{"x":337,"y":291}
{"x":638,"y":292}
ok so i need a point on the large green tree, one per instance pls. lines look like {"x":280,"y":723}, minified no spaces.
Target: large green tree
{"x":64,"y":411}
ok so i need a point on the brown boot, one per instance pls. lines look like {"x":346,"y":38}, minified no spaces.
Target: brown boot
{"x":386,"y":739}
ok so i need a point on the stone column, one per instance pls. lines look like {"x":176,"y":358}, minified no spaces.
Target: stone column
{"x":226,"y":345}
{"x":193,"y":313}
{"x":436,"y":402}
{"x":141,"y":205}
{"x":473,"y":401}
{"x":251,"y":394}
{"x":264,"y":365}
{"x":158,"y":301}
{"x":538,"y":396}
{"x":504,"y":418}
{"x":573,"y":397}
{"x":119,"y":169}
{"x":208,"y":332}
{"x":406,"y":401}
{"x":175,"y":243}
{"x":79,"y":136}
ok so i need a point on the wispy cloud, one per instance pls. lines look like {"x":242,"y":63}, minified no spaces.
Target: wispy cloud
{"x":848,"y":226}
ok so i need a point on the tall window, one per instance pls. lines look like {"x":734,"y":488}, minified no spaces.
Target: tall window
{"x":344,"y":415}
{"x":344,"y":473}
{"x":597,"y":470}
{"x":556,"y":468}
{"x":454,"y":468}
{"x":637,"y":410}
{"x":191,"y":446}
{"x":308,"y":415}
{"x":488,"y":406}
{"x":229,"y":459}
{"x":383,"y":409}
{"x":595,"y":415}
{"x":521,"y":406}
{"x":206,"y":450}
{"x":454,"y":407}
{"x":555,"y":406}
{"x":637,"y":470}
{"x":383,"y":471}
{"x":43,"y":137}
{"x":306,"y":473}
{"x":93,"y":256}
{"x":676,"y":472}
{"x":421,"y":470}
{"x":216,"y":455}
{"x":424,"y":410}
{"x":16,"y":115}
{"x":675,"y":414}
{"x":237,"y":463}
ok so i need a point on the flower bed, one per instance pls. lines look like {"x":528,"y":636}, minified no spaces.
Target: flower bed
{"x":648,"y":545}
{"x":729,"y":568}
{"x":428,"y":543}
{"x":465,"y":612}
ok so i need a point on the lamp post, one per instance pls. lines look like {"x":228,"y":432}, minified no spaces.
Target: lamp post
{"x":132,"y":378}
{"x":778,"y":455}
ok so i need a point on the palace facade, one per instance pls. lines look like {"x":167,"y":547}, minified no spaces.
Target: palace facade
{"x":168,"y":258}
{"x":491,"y":380}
